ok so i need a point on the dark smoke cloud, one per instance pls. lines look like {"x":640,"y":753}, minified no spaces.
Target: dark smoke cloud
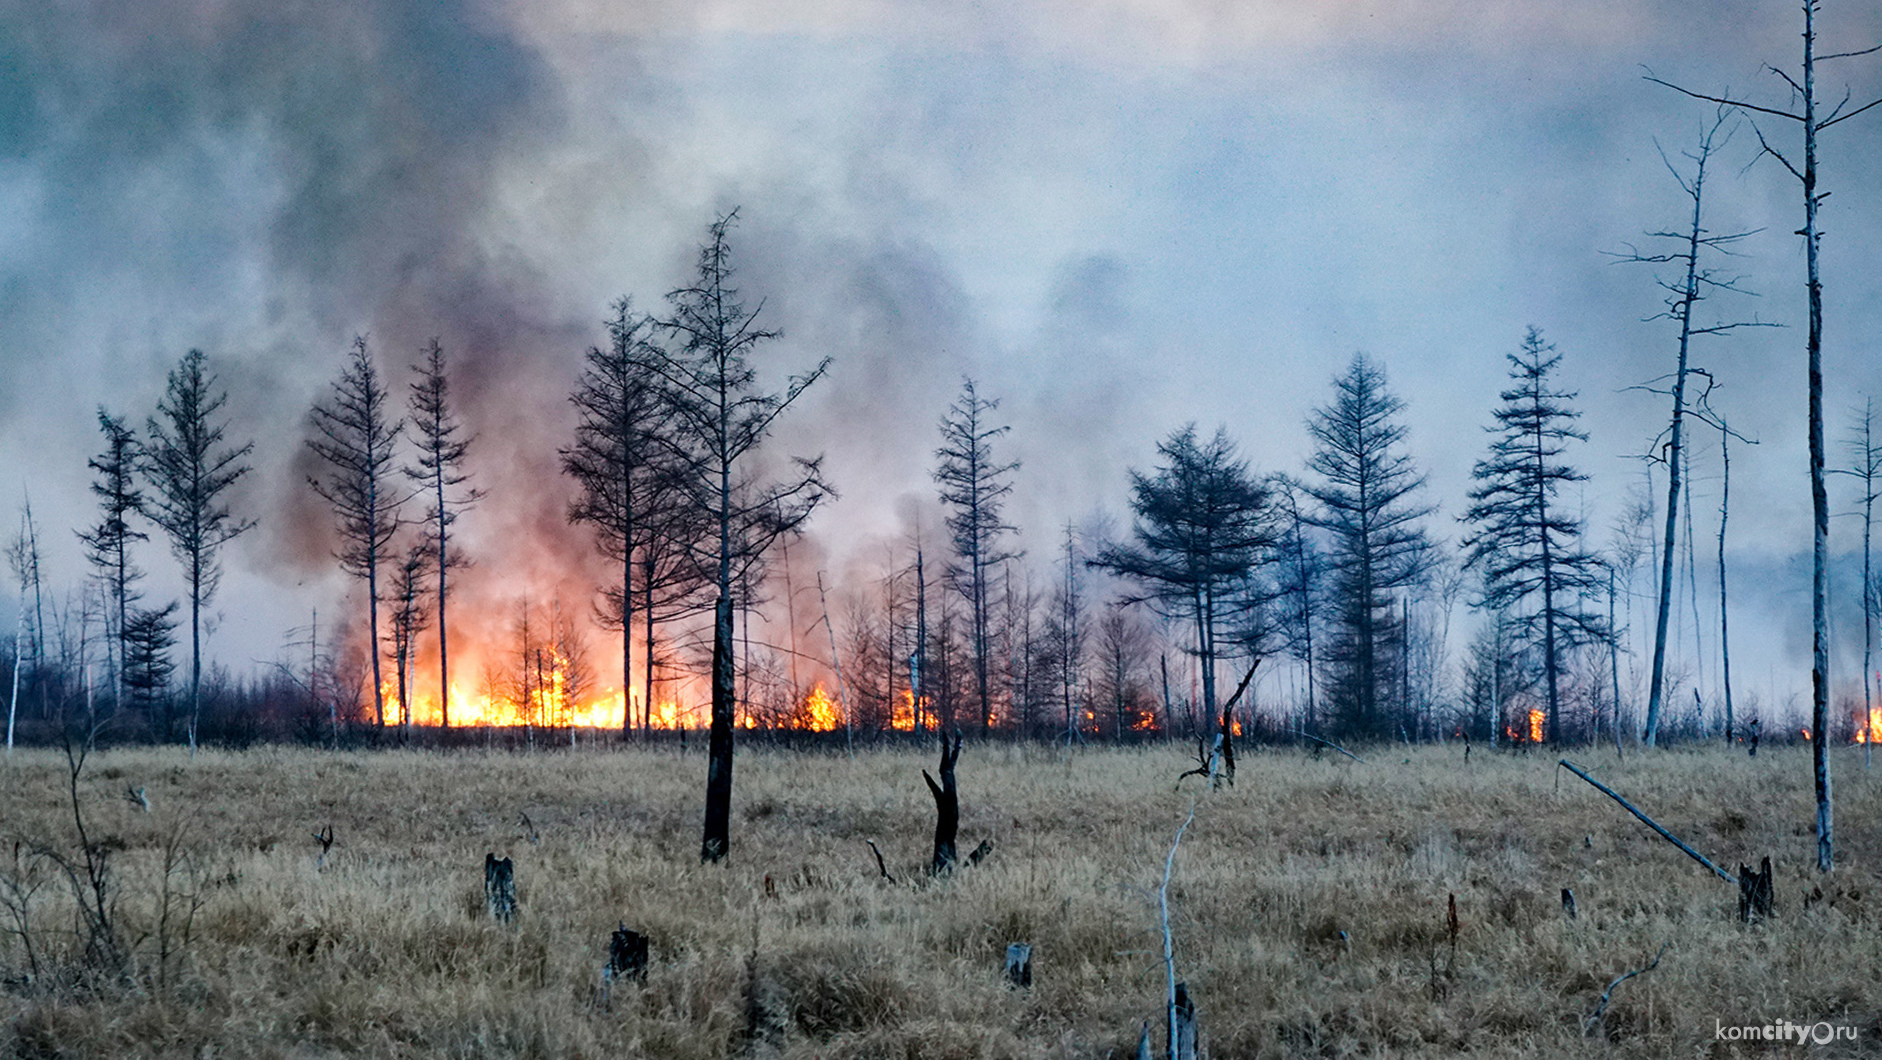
{"x":1116,"y":219}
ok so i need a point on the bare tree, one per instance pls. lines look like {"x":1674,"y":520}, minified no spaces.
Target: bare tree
{"x":721,"y":418}
{"x":359,"y":442}
{"x":23,"y":557}
{"x":975,"y":486}
{"x":1122,"y":649}
{"x":1697,"y":281}
{"x":1376,"y":543}
{"x":1867,"y":454}
{"x":441,"y":476}
{"x":1812,"y":124}
{"x":1524,"y":543}
{"x":189,"y":470}
{"x":1066,"y":637}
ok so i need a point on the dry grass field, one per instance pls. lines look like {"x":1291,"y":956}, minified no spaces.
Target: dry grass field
{"x":1309,"y":906}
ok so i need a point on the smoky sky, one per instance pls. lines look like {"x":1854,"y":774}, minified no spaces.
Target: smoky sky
{"x":1117,"y":218}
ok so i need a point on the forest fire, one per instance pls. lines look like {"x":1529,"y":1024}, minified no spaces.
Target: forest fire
{"x":1535,"y":726}
{"x":1872,"y":732}
{"x":550,"y":706}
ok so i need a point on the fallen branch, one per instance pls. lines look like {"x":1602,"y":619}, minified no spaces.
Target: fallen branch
{"x":1588,"y":1022}
{"x":1349,"y":754}
{"x":1649,"y":822}
{"x":881,"y":865}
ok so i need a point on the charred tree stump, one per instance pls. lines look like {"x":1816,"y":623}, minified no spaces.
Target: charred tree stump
{"x":1019,"y":964}
{"x":719,"y":744}
{"x":1568,"y":902}
{"x":627,"y":959}
{"x":500,"y":888}
{"x":1755,"y":893}
{"x":627,"y":954}
{"x":1182,"y":1025}
{"x":947,"y":807}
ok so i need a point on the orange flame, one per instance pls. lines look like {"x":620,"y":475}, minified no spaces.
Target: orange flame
{"x":1872,"y":732}
{"x":1535,"y":726}
{"x":902,"y":716}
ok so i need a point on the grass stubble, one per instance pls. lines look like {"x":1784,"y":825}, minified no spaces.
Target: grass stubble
{"x":1309,"y":905}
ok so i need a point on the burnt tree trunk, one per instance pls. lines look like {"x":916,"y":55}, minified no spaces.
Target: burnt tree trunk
{"x":627,"y":954}
{"x":1182,"y":1025}
{"x":947,"y":806}
{"x":1755,"y":893}
{"x":719,"y":745}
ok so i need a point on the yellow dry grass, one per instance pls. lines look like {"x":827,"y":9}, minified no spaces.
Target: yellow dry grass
{"x":1309,"y":906}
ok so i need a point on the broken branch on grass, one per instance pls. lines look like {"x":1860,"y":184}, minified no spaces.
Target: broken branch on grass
{"x":1588,"y":1022}
{"x":881,"y":865}
{"x":1649,"y":822}
{"x":1344,"y":751}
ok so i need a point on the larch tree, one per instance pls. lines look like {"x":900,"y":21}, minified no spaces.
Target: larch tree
{"x":409,"y":618}
{"x":190,"y":470}
{"x":1201,"y":526}
{"x":974,"y":486}
{"x":439,"y":472}
{"x":108,"y":542}
{"x":1376,"y":544}
{"x":1297,"y":590}
{"x":1812,"y":123}
{"x":721,"y":419}
{"x":358,"y":440}
{"x":1526,"y":546}
{"x":616,"y":463}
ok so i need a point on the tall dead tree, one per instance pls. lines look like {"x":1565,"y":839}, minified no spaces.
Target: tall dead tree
{"x":1696,"y":282}
{"x":1066,"y":636}
{"x":722,"y":417}
{"x":190,"y":470}
{"x":441,"y":476}
{"x":1527,"y":547}
{"x":1812,"y":124}
{"x":1866,"y":454}
{"x":358,"y":440}
{"x":1713,"y":418}
{"x":974,"y":485}
{"x":23,"y":557}
{"x":108,"y":542}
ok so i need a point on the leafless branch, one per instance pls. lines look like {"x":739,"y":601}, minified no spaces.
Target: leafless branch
{"x":1589,"y":1022}
{"x":1727,"y":102}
